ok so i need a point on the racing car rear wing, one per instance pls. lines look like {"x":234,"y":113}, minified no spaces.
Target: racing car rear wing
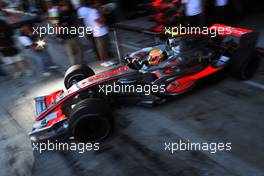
{"x":225,"y":30}
{"x":244,"y":37}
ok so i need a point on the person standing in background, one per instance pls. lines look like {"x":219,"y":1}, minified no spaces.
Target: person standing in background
{"x":68,"y":19}
{"x":53,"y":12}
{"x":193,"y":12}
{"x":39,"y":53}
{"x":83,"y":15}
{"x":222,"y":11}
{"x":100,"y":32}
{"x":2,"y":72}
{"x":109,"y":12}
{"x":25,"y":5}
{"x":10,"y":54}
{"x":76,"y":3}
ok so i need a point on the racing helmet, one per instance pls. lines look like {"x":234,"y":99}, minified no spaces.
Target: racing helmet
{"x":156,"y":56}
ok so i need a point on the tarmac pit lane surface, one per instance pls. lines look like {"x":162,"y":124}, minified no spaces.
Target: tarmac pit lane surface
{"x":228,"y":110}
{"x":224,"y":111}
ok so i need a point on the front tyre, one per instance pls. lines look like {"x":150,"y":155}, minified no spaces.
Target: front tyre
{"x":90,"y":120}
{"x":76,"y":73}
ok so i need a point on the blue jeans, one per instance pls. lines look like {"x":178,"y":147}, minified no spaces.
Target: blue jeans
{"x":42,"y":59}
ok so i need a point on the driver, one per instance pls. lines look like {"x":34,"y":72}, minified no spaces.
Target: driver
{"x":156,"y":56}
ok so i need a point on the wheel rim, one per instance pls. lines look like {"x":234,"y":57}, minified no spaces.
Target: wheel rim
{"x":74,"y":79}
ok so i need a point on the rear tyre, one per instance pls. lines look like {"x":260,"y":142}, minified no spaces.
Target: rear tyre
{"x":77,"y":73}
{"x":244,"y":63}
{"x":90,"y":120}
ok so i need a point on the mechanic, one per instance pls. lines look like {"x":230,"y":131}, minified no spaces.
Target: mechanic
{"x":193,"y":12}
{"x":39,"y":54}
{"x":10,"y":54}
{"x":100,"y":32}
{"x":68,"y":19}
{"x":83,"y":14}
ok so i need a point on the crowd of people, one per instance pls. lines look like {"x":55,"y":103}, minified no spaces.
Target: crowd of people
{"x":62,"y":14}
{"x":202,"y":12}
{"x":190,"y":12}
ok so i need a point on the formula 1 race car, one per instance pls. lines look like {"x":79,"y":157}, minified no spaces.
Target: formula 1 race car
{"x":83,"y":109}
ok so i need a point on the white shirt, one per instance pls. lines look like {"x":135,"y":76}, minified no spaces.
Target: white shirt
{"x":25,"y":41}
{"x":90,"y":15}
{"x":221,"y":2}
{"x":193,"y":7}
{"x":83,"y":12}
